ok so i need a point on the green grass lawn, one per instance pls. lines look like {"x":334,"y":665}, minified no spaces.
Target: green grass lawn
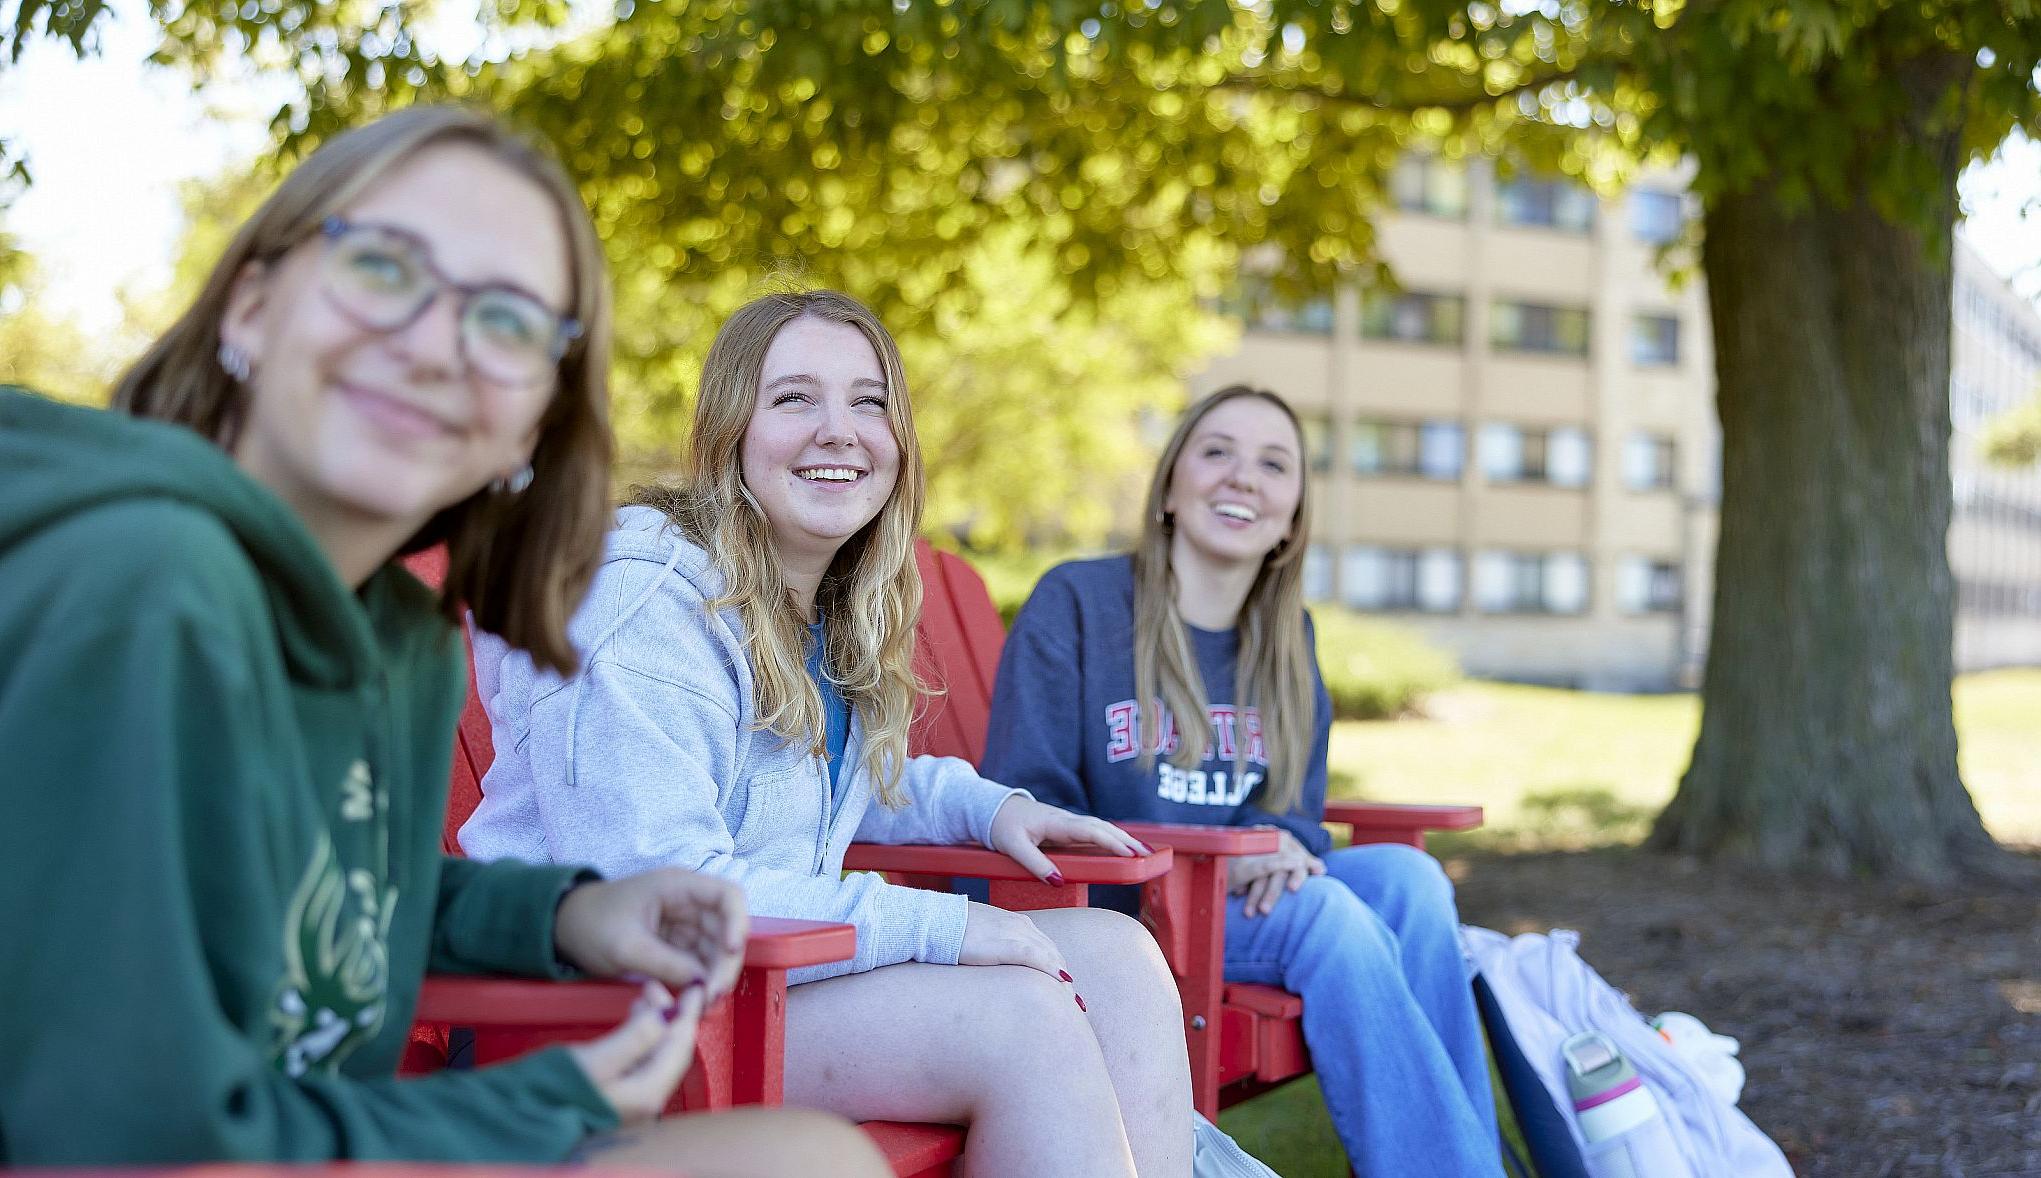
{"x":1558,"y":769}
{"x":1561,"y":769}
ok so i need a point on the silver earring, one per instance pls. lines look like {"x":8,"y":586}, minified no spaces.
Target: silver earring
{"x":513,"y":484}
{"x":234,"y":362}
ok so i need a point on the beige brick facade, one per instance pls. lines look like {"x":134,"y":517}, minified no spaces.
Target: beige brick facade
{"x":1517,"y":454}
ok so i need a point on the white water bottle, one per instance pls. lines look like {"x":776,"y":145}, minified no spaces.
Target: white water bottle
{"x":1625,"y":1130}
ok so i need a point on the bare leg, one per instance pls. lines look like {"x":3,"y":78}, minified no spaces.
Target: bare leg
{"x":1000,"y":1048}
{"x":1138,"y":1020}
{"x":744,"y":1143}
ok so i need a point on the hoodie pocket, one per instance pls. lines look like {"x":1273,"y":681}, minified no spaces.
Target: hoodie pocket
{"x":777,"y":819}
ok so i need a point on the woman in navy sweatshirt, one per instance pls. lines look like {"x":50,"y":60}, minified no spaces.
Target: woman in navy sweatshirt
{"x":1205,"y":620}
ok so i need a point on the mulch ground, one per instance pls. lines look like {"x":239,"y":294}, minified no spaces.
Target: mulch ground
{"x":1887,"y":1030}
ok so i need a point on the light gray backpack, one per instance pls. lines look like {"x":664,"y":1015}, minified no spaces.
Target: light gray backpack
{"x":1543,"y":996}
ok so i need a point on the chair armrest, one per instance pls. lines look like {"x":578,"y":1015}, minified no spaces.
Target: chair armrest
{"x":739,"y":1045}
{"x":1188,"y":839}
{"x":774,"y":943}
{"x":522,"y":1002}
{"x":1013,"y":887}
{"x":1385,"y":822}
{"x":1077,"y":866}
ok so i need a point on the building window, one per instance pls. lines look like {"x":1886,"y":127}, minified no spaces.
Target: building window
{"x":1426,"y":580}
{"x":1536,"y":327}
{"x":1546,"y":204}
{"x":1317,"y":441}
{"x":1255,"y":302}
{"x":1997,"y":597}
{"x":1655,"y":339}
{"x":1657,"y":218}
{"x":1424,"y":184}
{"x":1432,"y":449}
{"x":1648,"y":463}
{"x":1414,"y":317}
{"x":1317,"y":573}
{"x":1530,"y":582}
{"x":1647,"y":586}
{"x":1562,"y":457}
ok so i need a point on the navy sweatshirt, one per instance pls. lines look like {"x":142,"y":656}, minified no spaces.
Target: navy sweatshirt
{"x":1064,"y":723}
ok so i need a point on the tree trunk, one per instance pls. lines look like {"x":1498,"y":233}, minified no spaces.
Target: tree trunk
{"x":1827,"y":738}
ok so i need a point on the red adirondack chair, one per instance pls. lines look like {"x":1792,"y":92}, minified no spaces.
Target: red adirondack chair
{"x":739,"y":1045}
{"x":1244,"y":1039}
{"x":740,"y":1048}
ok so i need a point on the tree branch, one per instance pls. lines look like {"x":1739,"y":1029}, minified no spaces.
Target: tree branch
{"x":1456,"y":104}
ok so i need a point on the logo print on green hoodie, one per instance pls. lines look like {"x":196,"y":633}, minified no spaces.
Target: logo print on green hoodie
{"x":333,"y":993}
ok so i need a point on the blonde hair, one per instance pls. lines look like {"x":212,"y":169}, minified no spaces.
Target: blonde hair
{"x":871,"y":594}
{"x":1274,"y":672}
{"x":520,"y":562}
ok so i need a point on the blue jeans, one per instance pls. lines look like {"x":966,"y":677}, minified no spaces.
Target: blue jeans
{"x":1389,"y":1016}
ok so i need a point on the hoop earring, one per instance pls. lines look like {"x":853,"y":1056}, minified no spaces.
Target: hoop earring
{"x":234,"y":362}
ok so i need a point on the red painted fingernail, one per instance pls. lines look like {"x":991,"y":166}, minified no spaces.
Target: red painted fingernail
{"x":1080,"y":1003}
{"x":1055,"y":879}
{"x":1065,"y":975}
{"x":672,"y":1011}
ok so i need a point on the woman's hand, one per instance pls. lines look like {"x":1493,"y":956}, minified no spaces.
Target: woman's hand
{"x":1022,"y":825}
{"x":672,"y":925}
{"x":994,"y":936}
{"x":1264,"y":878}
{"x":636,"y":1066}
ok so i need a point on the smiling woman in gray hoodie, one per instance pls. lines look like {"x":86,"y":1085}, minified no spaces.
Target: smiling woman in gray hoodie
{"x":742,"y":710}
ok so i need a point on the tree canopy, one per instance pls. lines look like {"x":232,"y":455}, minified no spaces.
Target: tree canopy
{"x":1119,"y":159}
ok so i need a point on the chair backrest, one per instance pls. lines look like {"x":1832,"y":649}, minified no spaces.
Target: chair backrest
{"x":959,"y":638}
{"x":473,"y":747}
{"x":958,"y":641}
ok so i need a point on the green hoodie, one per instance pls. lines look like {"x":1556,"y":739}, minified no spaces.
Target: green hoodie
{"x":224,"y":778}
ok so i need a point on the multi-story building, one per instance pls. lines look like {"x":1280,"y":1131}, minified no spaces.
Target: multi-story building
{"x":1995,"y":533}
{"x":1516,"y":450}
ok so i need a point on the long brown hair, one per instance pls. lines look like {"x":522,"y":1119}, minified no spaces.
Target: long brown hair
{"x":871,"y":594}
{"x":1274,"y":673}
{"x":520,"y":562}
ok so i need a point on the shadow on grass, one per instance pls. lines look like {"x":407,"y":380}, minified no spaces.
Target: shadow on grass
{"x":1288,"y":1129}
{"x":1570,"y":818}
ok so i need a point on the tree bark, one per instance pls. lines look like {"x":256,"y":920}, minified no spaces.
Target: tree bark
{"x":1827,"y":735}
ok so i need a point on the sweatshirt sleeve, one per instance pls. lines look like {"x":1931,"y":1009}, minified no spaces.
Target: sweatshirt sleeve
{"x":118,"y":1042}
{"x":651,"y":760}
{"x":497,"y":918}
{"x":947,"y":803}
{"x":1034,"y":740}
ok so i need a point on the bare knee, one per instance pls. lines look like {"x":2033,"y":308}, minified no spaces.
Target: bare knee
{"x":819,"y":1136}
{"x":1108,"y":942}
{"x":745,"y":1143}
{"x":1031,"y":1019}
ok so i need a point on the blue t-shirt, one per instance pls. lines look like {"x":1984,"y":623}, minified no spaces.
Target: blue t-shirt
{"x":1064,"y":717}
{"x":835,"y":712}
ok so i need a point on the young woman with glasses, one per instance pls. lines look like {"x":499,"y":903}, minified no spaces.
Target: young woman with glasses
{"x":227,"y":713}
{"x":744,"y":710}
{"x":1180,"y":684}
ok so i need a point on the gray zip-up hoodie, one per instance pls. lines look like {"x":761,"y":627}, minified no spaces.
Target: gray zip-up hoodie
{"x":652,"y":757}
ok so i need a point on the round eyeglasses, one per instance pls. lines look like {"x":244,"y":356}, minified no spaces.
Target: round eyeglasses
{"x":383,"y":278}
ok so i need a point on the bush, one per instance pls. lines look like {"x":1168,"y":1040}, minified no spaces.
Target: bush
{"x":1010,"y":577}
{"x":1374,"y":669}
